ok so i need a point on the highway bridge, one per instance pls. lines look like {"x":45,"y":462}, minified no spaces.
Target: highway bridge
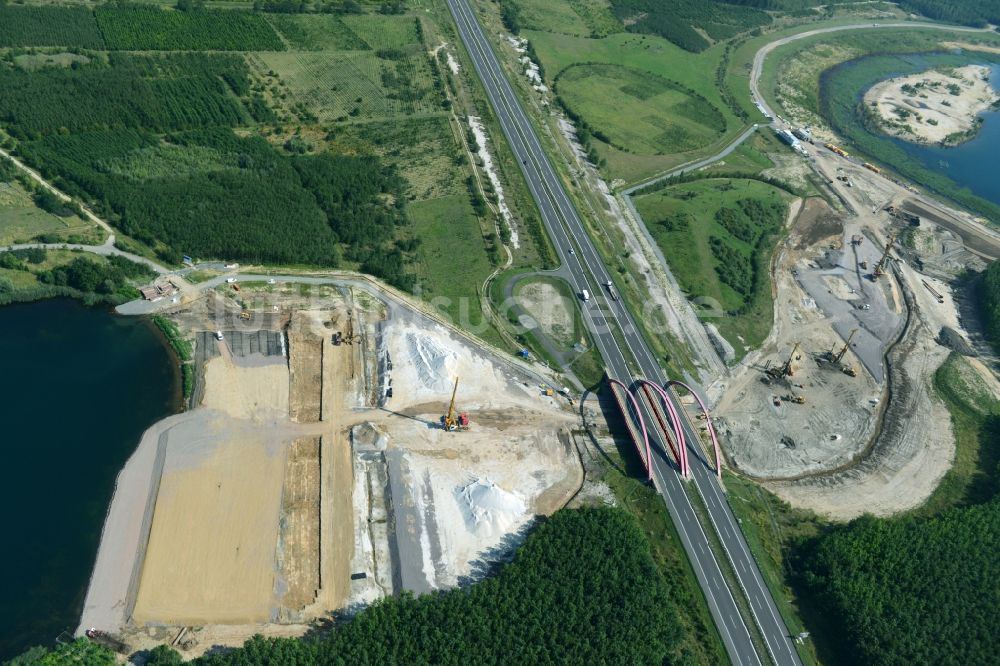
{"x":629,"y":359}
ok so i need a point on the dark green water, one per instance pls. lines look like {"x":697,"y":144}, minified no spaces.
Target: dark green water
{"x":80,"y":385}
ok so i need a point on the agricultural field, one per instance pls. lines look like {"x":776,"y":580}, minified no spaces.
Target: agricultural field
{"x":386,"y":32}
{"x":651,"y":115}
{"x":316,"y":32}
{"x":48,"y":25}
{"x":150,"y":28}
{"x":175,"y":92}
{"x":246,"y":156}
{"x":135,"y":28}
{"x":717,"y":235}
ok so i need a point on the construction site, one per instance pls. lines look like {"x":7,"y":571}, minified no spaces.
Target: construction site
{"x":341,"y":446}
{"x":837,"y":411}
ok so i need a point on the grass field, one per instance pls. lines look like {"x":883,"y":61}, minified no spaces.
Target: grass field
{"x":684,"y":219}
{"x":452,"y":260}
{"x":650,"y":114}
{"x":21,"y":220}
{"x":974,"y":409}
{"x":316,"y":32}
{"x":556,"y":17}
{"x":342,"y":85}
{"x":421,"y":148}
{"x":644,"y":55}
{"x":553,"y":305}
{"x":385,"y":32}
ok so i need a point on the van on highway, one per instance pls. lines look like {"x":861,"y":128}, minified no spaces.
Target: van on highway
{"x":585,"y":295}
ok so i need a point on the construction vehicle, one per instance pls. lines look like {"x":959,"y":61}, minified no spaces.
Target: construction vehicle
{"x":849,"y":370}
{"x":863,"y":265}
{"x":871,"y":167}
{"x":348,"y":337}
{"x":450,"y":421}
{"x":880,"y":266}
{"x":107,"y":640}
{"x":786,"y":369}
{"x":843,"y":350}
{"x":796,"y":398}
{"x":547,"y":391}
{"x":836,"y":149}
{"x":245,"y":315}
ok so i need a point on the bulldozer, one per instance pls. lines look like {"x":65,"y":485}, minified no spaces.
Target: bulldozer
{"x":245,"y":315}
{"x":451,"y":421}
{"x":796,"y":398}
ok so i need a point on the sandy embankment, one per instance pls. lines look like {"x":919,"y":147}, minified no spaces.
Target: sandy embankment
{"x":934,"y":106}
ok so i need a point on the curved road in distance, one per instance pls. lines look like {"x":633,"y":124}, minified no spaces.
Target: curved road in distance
{"x":629,"y":358}
{"x":762,"y":52}
{"x":978,"y":238}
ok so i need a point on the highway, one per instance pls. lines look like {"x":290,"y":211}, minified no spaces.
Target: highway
{"x":627,"y":359}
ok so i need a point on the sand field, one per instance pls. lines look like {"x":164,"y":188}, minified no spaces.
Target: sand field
{"x":252,"y":392}
{"x":219,"y":567}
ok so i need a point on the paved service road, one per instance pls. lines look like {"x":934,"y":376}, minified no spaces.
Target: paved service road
{"x":629,"y":357}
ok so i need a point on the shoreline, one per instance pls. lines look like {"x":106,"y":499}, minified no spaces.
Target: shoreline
{"x":105,"y":601}
{"x":847,"y":121}
{"x":935,"y":107}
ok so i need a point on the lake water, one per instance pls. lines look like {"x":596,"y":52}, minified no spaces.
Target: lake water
{"x":966,"y":173}
{"x":79,"y":387}
{"x":974,"y":164}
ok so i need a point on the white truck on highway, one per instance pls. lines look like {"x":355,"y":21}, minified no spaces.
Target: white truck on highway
{"x":585,"y":295}
{"x":611,"y":290}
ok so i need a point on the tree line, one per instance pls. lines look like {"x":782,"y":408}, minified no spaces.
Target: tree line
{"x":158,"y":93}
{"x":910,"y":590}
{"x":990,"y":302}
{"x":583,"y":588}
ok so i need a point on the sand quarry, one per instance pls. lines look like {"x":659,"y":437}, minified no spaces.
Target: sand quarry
{"x":878,"y":442}
{"x":933,"y":106}
{"x":312,"y":478}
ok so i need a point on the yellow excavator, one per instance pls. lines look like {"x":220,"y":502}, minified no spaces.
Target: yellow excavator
{"x":452,"y":422}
